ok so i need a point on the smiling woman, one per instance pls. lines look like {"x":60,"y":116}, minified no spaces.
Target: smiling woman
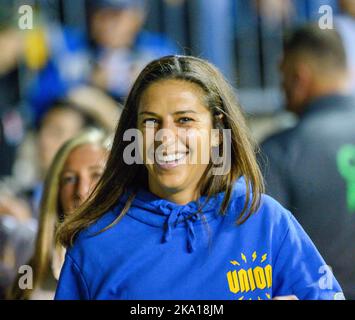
{"x":170,"y":228}
{"x":205,"y":87}
{"x":178,"y":108}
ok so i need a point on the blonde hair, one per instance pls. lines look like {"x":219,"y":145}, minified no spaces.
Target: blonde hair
{"x":119,"y":176}
{"x":51,"y":211}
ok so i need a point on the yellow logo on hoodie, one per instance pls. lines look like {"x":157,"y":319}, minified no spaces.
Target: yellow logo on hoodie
{"x":244,"y":280}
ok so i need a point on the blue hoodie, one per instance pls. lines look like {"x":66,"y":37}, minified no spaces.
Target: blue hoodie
{"x":161,"y":250}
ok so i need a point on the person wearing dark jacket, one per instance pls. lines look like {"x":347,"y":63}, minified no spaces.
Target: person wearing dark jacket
{"x":310,"y":167}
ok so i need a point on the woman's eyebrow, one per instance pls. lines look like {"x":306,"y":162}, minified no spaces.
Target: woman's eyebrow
{"x":97,"y":166}
{"x":74,"y":171}
{"x":65,"y":171}
{"x":147,"y":113}
{"x":185,"y":111}
{"x":175,"y":113}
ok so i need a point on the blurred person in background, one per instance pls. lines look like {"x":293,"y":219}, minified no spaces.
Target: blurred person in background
{"x":75,"y":170}
{"x":85,"y":107}
{"x":275,"y":11}
{"x":310,"y":167}
{"x":56,"y":60}
{"x":109,"y":56}
{"x":41,"y":64}
{"x":11,"y":123}
{"x":121,"y":47}
{"x":16,"y":229}
{"x":345,"y":24}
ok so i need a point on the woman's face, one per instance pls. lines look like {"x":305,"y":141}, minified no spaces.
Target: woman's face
{"x":82,"y":170}
{"x":176,"y":125}
{"x":57,"y":127}
{"x":116,"y":28}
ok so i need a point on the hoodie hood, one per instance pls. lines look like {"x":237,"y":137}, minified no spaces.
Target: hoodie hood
{"x":155,"y":211}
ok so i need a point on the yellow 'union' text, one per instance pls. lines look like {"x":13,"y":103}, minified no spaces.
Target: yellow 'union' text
{"x":249,"y":280}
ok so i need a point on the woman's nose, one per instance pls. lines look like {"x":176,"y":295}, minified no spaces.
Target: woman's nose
{"x":166,"y":137}
{"x":83,"y":188}
{"x":167,"y":134}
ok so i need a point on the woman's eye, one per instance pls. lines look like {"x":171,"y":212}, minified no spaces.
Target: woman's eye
{"x":185,"y":120}
{"x":150,"y":122}
{"x":68,"y":180}
{"x":96,"y":176}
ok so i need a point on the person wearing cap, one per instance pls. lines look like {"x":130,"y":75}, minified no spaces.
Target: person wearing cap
{"x":121,"y":46}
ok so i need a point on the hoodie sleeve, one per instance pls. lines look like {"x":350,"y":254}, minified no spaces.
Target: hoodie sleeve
{"x":300,"y":270}
{"x":71,"y":285}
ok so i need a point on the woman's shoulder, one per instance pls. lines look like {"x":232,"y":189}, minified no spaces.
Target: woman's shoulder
{"x":274,"y":212}
{"x":270,"y":213}
{"x":269,"y":208}
{"x":92,"y":235}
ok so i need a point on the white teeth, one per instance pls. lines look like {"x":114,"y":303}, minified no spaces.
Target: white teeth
{"x":171,"y":157}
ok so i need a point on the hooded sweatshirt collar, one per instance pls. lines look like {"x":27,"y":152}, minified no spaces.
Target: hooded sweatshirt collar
{"x":155,"y":211}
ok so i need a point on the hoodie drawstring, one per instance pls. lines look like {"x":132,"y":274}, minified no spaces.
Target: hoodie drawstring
{"x":172,"y":221}
{"x":191,"y":238}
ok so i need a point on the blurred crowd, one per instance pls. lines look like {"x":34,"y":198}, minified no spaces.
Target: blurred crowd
{"x":62,"y":91}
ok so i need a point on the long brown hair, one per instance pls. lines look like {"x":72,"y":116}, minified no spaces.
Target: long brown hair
{"x":51,"y":211}
{"x":118,"y":176}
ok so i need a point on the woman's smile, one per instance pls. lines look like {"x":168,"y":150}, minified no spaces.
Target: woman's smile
{"x":171,"y":161}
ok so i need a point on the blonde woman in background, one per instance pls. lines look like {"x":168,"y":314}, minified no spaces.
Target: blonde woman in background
{"x":20,"y":195}
{"x":75,"y":170}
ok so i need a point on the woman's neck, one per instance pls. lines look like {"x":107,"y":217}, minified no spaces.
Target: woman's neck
{"x":180,"y":197}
